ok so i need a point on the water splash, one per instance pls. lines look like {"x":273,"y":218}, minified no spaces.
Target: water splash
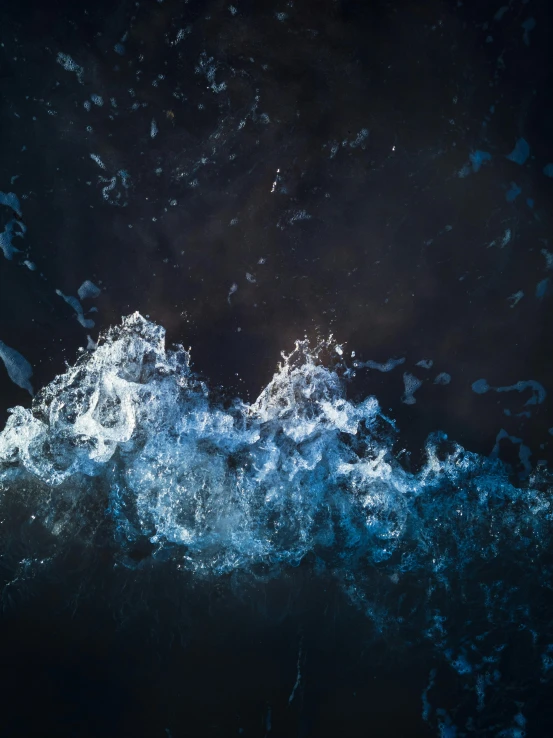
{"x":131,"y":439}
{"x":300,"y":468}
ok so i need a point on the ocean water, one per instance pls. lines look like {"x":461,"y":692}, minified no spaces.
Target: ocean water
{"x":129,"y":459}
{"x":195,"y":541}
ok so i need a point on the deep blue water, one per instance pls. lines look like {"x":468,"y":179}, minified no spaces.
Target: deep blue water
{"x":275,"y":318}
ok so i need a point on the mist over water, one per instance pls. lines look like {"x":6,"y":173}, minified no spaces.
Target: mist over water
{"x":129,"y":452}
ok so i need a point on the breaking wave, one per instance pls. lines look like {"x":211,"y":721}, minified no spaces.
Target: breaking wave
{"x":129,"y":447}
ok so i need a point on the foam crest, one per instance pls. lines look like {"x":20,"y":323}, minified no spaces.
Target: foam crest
{"x":128,"y":450}
{"x":301,"y":470}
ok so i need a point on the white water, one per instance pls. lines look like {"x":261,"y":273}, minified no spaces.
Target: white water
{"x":301,"y":468}
{"x":301,"y":473}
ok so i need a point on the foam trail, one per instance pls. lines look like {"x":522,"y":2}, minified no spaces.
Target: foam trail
{"x":78,"y":308}
{"x":539,"y":393}
{"x":70,"y":65}
{"x":520,"y":153}
{"x":14,"y":227}
{"x":6,"y":238}
{"x":425,"y":363}
{"x":411,"y":384}
{"x":11,"y":200}
{"x":477,"y":159}
{"x":386,"y":366}
{"x":88,"y":290}
{"x":18,"y":368}
{"x":298,"y":675}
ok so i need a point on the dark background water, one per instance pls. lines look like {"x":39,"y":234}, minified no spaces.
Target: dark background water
{"x":324,"y":182}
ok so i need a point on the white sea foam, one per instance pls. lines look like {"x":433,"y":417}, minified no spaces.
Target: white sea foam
{"x":300,"y":468}
{"x":129,"y":440}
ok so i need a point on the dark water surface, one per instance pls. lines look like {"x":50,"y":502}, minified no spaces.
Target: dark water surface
{"x":374,"y":177}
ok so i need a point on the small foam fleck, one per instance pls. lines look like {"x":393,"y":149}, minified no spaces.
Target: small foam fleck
{"x":411,"y":384}
{"x":88,"y":290}
{"x":520,"y":153}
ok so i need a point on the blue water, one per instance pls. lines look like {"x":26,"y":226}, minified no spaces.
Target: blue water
{"x":452,"y":555}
